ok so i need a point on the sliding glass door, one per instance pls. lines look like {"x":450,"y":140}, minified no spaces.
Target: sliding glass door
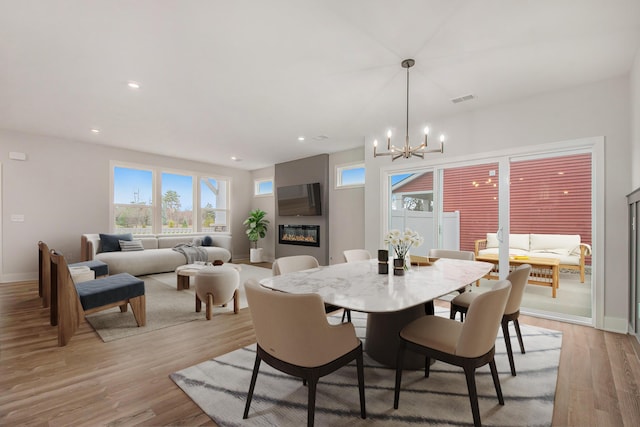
{"x":509,"y":210}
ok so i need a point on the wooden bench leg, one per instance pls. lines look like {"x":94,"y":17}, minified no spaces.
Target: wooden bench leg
{"x":139,"y":308}
{"x":123,"y":308}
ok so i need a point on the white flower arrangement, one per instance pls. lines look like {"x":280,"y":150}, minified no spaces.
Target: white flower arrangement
{"x":402,"y":242}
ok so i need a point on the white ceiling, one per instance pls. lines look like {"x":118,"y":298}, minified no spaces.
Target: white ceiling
{"x":245,"y":78}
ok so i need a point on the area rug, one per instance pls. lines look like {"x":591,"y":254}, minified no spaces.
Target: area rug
{"x":219,"y":387}
{"x":165,"y":305}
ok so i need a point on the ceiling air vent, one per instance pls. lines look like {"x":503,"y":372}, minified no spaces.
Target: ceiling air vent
{"x":463,"y":98}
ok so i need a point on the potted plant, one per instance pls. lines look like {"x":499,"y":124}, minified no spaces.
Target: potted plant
{"x":256,"y":229}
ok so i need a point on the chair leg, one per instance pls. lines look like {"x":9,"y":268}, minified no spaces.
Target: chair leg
{"x":427,"y":366}
{"x":452,"y":312}
{"x":399,"y":362}
{"x":507,"y":343}
{"x":252,"y":385}
{"x":519,"y":334}
{"x":360,"y":367}
{"x":470,"y":374}
{"x":139,"y":309}
{"x":311,"y":401}
{"x":123,"y":308}
{"x":346,"y":313}
{"x":496,"y":380}
{"x":198,"y":304}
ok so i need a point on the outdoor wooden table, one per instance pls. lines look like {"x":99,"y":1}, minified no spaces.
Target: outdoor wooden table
{"x":544,"y":271}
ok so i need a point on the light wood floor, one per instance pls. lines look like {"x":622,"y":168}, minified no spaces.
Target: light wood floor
{"x":126,"y":382}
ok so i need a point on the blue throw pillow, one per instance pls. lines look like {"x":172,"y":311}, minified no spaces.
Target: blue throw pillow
{"x":110,"y":242}
{"x":207,"y":241}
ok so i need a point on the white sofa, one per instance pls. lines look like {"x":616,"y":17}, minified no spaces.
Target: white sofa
{"x":567,"y":248}
{"x":158,"y":255}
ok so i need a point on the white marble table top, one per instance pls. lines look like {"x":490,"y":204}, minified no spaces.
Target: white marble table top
{"x":358,"y":286}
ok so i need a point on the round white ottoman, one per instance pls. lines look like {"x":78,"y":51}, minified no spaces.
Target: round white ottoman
{"x":217,"y":285}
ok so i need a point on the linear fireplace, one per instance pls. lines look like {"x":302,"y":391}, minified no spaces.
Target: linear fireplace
{"x":305,"y":235}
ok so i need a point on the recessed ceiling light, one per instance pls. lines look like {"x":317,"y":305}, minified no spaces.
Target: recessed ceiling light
{"x":236,"y":159}
{"x":94,"y":130}
{"x":301,"y":138}
{"x":133,"y":85}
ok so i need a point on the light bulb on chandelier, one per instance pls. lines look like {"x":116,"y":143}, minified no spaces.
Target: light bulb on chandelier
{"x":407,"y":151}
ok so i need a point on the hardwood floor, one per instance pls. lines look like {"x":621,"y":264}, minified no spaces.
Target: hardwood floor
{"x":126,"y":382}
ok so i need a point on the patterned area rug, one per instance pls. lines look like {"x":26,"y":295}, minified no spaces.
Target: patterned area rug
{"x":165,"y":306}
{"x":219,"y":386}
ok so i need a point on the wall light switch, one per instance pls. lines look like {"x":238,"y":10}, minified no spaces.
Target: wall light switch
{"x":492,"y":172}
{"x":15,"y":155}
{"x":17,"y":218}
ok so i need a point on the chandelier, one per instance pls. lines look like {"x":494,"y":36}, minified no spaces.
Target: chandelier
{"x":407,"y":151}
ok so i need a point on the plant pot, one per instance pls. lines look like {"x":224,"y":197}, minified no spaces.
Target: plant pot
{"x":255,"y":255}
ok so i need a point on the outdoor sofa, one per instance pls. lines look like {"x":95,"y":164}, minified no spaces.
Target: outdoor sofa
{"x":567,"y":248}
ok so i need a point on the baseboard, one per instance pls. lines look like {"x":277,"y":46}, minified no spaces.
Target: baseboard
{"x":18,"y":277}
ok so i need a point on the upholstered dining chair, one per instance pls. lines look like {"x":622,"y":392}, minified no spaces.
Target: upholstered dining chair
{"x":451,"y":254}
{"x":352,"y":255}
{"x":518,"y":278}
{"x":469,"y":345}
{"x":291,"y":264}
{"x":294,"y":337}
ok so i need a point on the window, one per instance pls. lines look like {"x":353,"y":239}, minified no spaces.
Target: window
{"x":133,"y":200}
{"x":177,"y":203}
{"x":138,"y":206}
{"x":214,"y":212}
{"x":351,"y":175}
{"x":263,"y":187}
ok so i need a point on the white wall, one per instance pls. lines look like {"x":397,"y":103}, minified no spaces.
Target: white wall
{"x":598,"y":109}
{"x":62,"y":189}
{"x":634,"y":77}
{"x":267,"y":204}
{"x":346,"y":217}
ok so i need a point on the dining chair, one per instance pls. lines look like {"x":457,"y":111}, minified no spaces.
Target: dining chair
{"x":451,"y":254}
{"x":469,"y":345}
{"x":291,"y":264}
{"x":294,"y":337}
{"x":518,"y":278}
{"x":352,"y":255}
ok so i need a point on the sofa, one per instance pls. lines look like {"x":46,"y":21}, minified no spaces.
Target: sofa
{"x":567,"y":248}
{"x":154,"y":253}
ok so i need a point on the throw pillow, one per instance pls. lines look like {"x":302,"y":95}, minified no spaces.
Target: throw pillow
{"x":131,"y":245}
{"x":111,"y":242}
{"x":207,"y":241}
{"x":197,"y":241}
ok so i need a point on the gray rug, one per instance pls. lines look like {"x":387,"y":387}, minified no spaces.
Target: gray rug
{"x":219,"y":387}
{"x":165,"y":306}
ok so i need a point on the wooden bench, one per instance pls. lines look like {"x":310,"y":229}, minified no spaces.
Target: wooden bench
{"x":74,"y":301}
{"x":47,"y":288}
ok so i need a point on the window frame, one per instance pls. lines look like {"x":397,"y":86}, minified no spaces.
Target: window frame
{"x":341,"y":168}
{"x":256,"y":187}
{"x":156,"y":202}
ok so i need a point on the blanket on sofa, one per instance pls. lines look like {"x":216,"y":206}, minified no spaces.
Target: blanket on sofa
{"x":192,"y":253}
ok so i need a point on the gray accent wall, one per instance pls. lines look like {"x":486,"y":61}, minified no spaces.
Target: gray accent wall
{"x":305,"y":171}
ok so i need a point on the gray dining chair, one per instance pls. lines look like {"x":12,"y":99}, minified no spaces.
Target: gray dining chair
{"x":291,"y":264}
{"x":294,"y":337}
{"x":469,"y":345}
{"x":518,"y":278}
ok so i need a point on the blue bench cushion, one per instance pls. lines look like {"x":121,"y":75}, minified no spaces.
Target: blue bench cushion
{"x":101,"y":268}
{"x":101,"y":292}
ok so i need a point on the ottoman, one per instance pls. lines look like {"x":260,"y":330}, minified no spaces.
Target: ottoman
{"x":217,"y":285}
